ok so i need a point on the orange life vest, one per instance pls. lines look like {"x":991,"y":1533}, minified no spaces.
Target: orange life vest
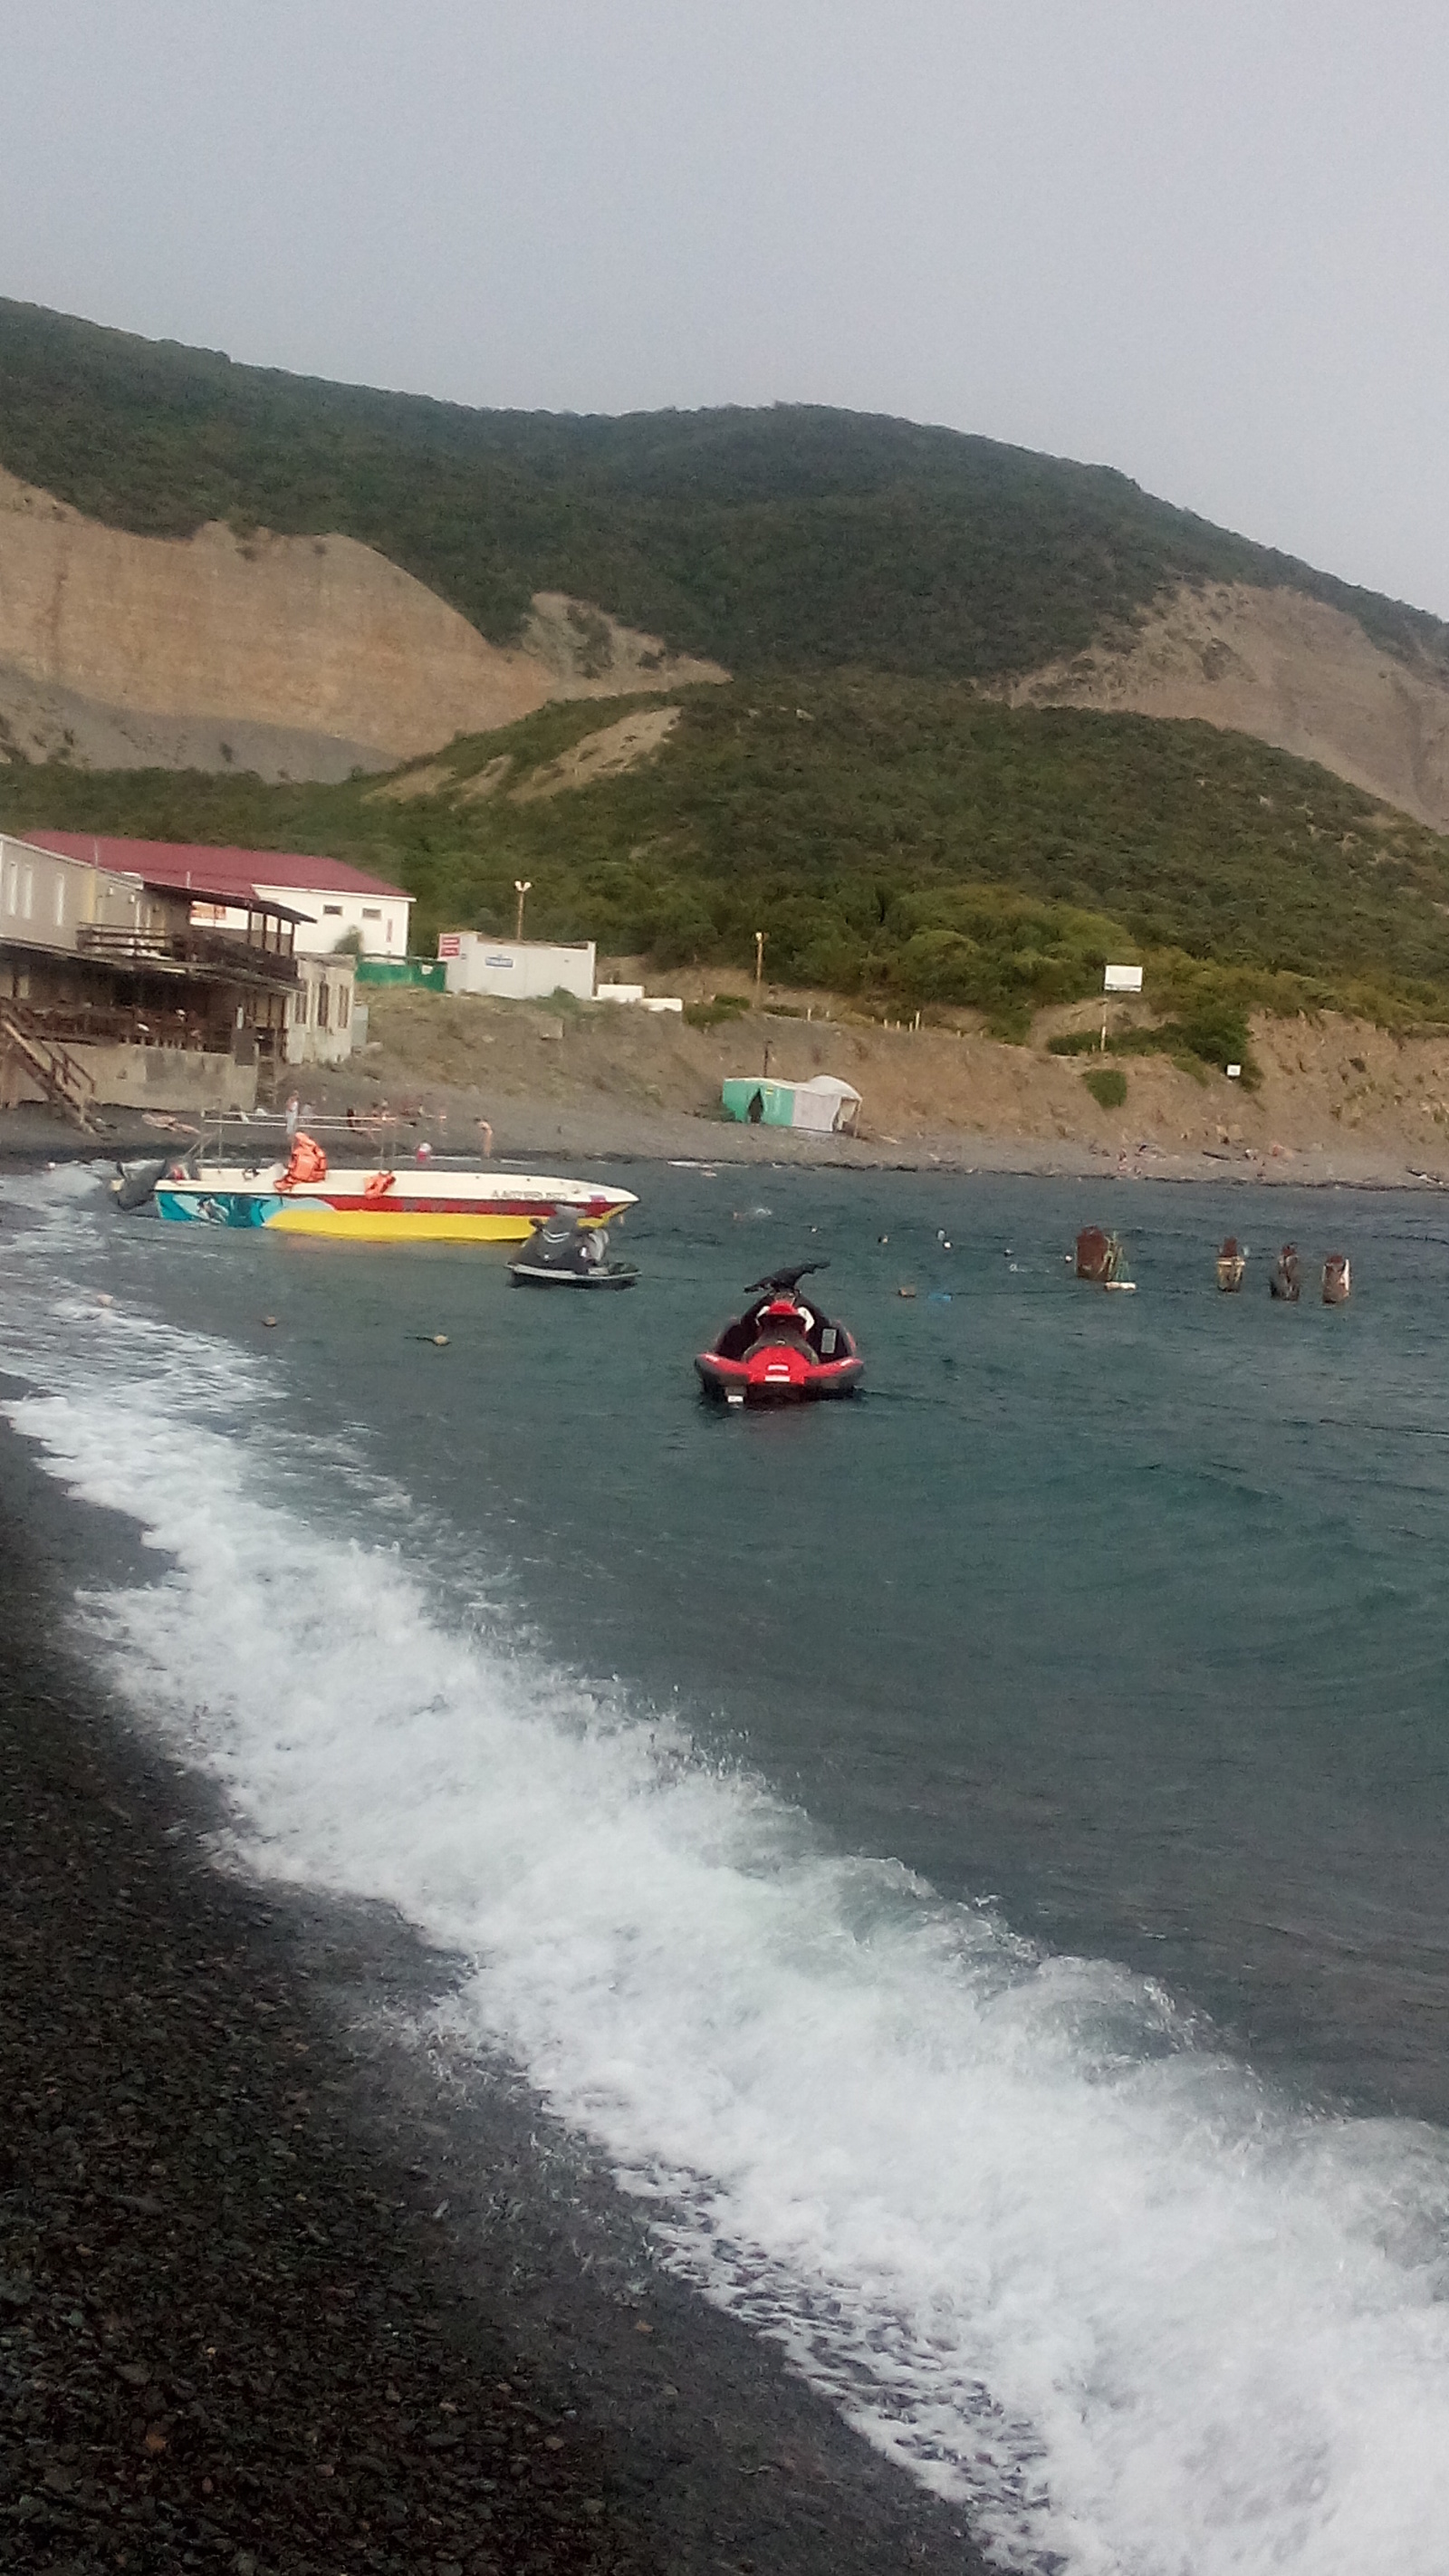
{"x":308,"y":1162}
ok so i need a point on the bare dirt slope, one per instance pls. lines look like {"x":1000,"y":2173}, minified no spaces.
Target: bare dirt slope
{"x":589,"y":654}
{"x":296,"y":656}
{"x":1337,"y":1097}
{"x":1273,"y":663}
{"x":604,"y":754}
{"x":39,"y":720}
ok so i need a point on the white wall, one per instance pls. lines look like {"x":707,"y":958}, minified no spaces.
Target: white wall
{"x":319,"y":1013}
{"x":521,"y":970}
{"x":381,"y":918}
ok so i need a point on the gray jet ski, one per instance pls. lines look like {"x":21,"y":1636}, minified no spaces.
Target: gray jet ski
{"x":563,"y":1253}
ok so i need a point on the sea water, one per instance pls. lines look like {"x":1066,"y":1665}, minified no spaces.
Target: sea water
{"x":970,"y":1859}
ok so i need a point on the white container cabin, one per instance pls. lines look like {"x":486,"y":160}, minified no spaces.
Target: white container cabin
{"x":517,"y":970}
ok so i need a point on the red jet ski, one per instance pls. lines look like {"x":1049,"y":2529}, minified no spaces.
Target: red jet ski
{"x":781,"y":1350}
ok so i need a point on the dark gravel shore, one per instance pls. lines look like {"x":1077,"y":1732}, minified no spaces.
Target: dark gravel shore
{"x":276,"y":2292}
{"x":548,"y":1135}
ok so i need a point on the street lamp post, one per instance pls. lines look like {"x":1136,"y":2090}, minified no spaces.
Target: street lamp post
{"x":521,"y":886}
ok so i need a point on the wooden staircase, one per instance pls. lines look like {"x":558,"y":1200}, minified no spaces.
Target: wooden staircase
{"x":65,"y":1083}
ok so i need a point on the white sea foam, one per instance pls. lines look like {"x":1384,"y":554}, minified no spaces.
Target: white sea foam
{"x":1057,"y":2259}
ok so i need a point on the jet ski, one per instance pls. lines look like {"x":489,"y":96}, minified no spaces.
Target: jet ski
{"x":562,"y":1253}
{"x":781,"y":1350}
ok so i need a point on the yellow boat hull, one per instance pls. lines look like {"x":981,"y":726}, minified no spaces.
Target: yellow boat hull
{"x":405,"y":1225}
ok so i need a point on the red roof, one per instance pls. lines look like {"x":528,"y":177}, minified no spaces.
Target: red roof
{"x":212,"y":875}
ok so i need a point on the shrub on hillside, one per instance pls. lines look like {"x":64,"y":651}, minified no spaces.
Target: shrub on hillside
{"x":721,"y":1007}
{"x":1108,"y":1086}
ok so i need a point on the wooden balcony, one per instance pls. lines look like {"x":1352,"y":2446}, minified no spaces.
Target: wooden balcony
{"x":213,"y":956}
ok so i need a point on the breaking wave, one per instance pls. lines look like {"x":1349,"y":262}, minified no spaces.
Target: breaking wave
{"x":1059,"y":2259}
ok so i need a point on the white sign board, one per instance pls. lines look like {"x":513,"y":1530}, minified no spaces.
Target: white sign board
{"x":1122,"y":979}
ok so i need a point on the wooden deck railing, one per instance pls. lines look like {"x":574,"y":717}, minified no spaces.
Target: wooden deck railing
{"x":172,"y":952}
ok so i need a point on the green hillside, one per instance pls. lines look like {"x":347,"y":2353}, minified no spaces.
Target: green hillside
{"x":789,"y":539}
{"x":896,"y":840}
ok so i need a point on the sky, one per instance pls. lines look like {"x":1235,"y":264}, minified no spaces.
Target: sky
{"x":1201,"y":240}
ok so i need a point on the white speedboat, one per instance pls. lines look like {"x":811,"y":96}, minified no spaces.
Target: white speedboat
{"x":425,"y":1201}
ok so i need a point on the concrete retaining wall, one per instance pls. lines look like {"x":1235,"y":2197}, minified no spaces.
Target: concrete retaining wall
{"x":137,"y":1077}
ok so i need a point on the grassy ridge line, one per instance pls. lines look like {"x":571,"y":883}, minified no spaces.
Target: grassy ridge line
{"x":796,"y":538}
{"x":896,"y":840}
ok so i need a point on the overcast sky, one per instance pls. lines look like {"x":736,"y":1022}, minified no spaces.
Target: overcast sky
{"x":1203,"y":240}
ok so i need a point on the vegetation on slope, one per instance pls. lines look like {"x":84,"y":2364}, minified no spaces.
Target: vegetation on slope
{"x":795,"y":538}
{"x":899,"y":841}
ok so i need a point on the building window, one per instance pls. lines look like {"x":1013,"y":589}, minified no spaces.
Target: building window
{"x":322,"y":1003}
{"x":12,"y":886}
{"x":343,"y":1000}
{"x":27,"y":894}
{"x":333,"y":911}
{"x":59,"y":902}
{"x":372,"y":912}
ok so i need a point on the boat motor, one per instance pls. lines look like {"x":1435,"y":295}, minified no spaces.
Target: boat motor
{"x":135,"y":1183}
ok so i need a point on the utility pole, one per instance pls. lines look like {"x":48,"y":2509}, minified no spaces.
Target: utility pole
{"x":759,"y":961}
{"x":521,"y":886}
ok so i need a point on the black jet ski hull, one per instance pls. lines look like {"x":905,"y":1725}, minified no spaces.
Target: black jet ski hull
{"x":536,"y":1275}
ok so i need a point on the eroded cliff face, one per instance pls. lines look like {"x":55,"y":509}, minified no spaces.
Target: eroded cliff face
{"x":308,"y":657}
{"x":301,"y":657}
{"x":1297,"y":674}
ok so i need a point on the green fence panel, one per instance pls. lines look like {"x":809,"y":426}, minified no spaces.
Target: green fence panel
{"x":430,"y":973}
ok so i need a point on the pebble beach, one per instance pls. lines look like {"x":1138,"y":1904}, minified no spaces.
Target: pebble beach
{"x":261,"y":2310}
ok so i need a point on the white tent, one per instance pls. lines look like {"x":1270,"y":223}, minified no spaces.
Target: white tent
{"x":826,"y":1104}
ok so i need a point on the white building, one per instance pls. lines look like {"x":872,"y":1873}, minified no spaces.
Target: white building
{"x":378,"y":913}
{"x":519,"y":970}
{"x":320,"y":1013}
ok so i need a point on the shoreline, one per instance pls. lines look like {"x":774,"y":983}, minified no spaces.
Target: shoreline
{"x":544,"y":1134}
{"x":1330,"y":1103}
{"x":280,"y":2291}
